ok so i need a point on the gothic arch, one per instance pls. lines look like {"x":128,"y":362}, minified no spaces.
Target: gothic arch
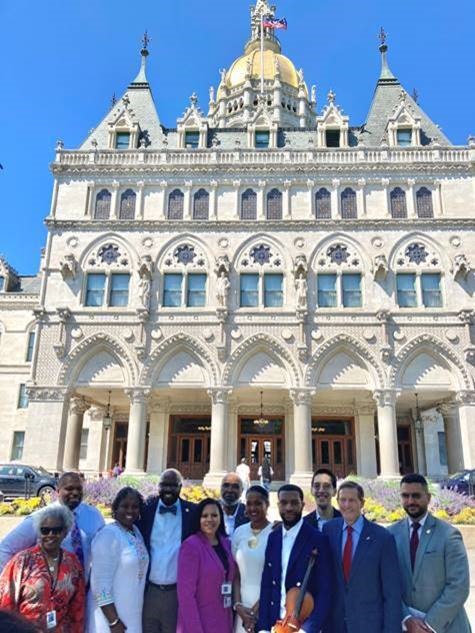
{"x":106,"y":238}
{"x":435,"y":347}
{"x":182,"y":238}
{"x":265,"y":343}
{"x":263,"y":238}
{"x":354,"y":347}
{"x":172,"y":345}
{"x":415,"y":236}
{"x":344,"y":238}
{"x":83,"y":351}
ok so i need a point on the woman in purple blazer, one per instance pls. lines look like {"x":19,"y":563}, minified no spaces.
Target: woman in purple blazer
{"x":205,"y":574}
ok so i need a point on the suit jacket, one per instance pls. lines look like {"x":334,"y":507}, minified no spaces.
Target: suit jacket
{"x":145,"y":524}
{"x":320,"y":584}
{"x":370,"y":601}
{"x":311,"y":517}
{"x":241,"y":517}
{"x":200,"y":576}
{"x":440,"y":583}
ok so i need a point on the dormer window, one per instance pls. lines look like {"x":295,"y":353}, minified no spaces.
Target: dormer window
{"x":122,"y":140}
{"x":192,"y":139}
{"x":262,"y":139}
{"x":332,"y":138}
{"x":404,"y":137}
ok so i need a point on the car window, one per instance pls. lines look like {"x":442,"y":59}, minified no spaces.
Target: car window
{"x":466,"y":477}
{"x":19,"y":471}
{"x":3,"y":470}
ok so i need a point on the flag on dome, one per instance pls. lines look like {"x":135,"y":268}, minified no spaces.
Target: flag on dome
{"x":274,"y":23}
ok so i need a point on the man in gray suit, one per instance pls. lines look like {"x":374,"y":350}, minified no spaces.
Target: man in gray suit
{"x":433,"y":563}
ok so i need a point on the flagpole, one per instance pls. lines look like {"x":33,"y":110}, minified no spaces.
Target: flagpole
{"x":262,"y":54}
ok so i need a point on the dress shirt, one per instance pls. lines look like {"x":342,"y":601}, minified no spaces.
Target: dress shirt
{"x":357,"y":529}
{"x":288,"y":540}
{"x":230,"y":521}
{"x":165,"y":541}
{"x":89,"y":521}
{"x":421,"y":525}
{"x":320,"y":522}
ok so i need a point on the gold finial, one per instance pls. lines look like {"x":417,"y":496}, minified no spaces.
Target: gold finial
{"x":383,"y":36}
{"x":145,"y":40}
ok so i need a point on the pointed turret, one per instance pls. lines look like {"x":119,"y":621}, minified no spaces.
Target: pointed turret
{"x":132,"y":119}
{"x":386,"y":75}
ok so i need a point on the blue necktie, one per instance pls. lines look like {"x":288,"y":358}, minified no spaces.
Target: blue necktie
{"x":165,"y":509}
{"x":76,"y":542}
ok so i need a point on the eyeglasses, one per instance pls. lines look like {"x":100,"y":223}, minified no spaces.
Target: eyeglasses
{"x":45,"y":531}
{"x":233,"y":486}
{"x":325,"y":487}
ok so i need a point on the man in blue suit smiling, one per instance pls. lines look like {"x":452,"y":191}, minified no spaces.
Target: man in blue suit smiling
{"x":368,"y":579}
{"x":287,"y":555}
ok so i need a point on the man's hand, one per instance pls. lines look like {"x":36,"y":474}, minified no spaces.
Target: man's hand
{"x":415,"y":625}
{"x":248,"y":618}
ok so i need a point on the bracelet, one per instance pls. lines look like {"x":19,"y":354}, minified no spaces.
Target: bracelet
{"x":237,"y":604}
{"x":115,"y":622}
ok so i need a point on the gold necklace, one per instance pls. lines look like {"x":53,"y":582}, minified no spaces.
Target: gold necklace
{"x":253,"y":542}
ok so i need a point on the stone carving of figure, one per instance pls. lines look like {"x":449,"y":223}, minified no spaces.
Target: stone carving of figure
{"x":301,"y":287}
{"x":222,"y":289}
{"x":144,"y":291}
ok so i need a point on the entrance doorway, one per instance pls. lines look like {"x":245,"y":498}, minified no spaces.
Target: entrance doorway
{"x":189,"y":445}
{"x":119,"y":450}
{"x":333,"y":445}
{"x":404,"y":449}
{"x":257,"y":442}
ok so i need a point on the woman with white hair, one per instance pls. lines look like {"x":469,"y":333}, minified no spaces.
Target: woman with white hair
{"x":45,"y":583}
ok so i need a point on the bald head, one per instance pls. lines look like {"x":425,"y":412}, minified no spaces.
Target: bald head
{"x":169,"y":486}
{"x":231,"y":489}
{"x":70,"y":489}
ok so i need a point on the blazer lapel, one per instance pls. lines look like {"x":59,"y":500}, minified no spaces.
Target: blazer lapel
{"x":402,"y":539}
{"x":425,"y":536}
{"x":365,"y":541}
{"x":297,"y":548}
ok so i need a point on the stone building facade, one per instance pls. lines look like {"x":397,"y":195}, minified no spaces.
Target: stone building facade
{"x":264,"y":279}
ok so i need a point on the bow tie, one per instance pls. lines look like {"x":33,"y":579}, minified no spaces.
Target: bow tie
{"x":165,"y":509}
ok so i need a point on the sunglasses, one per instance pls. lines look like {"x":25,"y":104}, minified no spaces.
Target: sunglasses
{"x":45,"y":531}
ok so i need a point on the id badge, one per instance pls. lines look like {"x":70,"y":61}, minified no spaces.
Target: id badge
{"x":226,"y":589}
{"x":51,"y":620}
{"x":227,"y":602}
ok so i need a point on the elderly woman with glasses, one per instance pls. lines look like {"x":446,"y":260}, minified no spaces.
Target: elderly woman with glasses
{"x":45,"y":583}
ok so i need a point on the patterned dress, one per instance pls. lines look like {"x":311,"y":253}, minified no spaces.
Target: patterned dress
{"x":26,"y":586}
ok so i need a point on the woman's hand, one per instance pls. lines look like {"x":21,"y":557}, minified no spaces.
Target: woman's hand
{"x":248,"y":617}
{"x":118,"y":628}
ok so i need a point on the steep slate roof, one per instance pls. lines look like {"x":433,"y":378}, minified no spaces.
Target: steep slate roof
{"x":141,"y":106}
{"x":385,"y":99}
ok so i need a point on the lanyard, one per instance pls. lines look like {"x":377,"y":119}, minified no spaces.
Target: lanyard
{"x":53,"y":580}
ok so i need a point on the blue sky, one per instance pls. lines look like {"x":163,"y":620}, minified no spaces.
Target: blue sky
{"x":63,"y":59}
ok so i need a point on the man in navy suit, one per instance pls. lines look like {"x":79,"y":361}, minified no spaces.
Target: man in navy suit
{"x":323,"y":490}
{"x":165,"y":522}
{"x":368,"y":580}
{"x":233,"y":509}
{"x":287,"y":555}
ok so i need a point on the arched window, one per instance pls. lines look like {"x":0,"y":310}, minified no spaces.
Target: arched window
{"x":424,"y":205}
{"x":103,"y":205}
{"x":397,"y":199}
{"x":348,"y":204}
{"x":274,"y":205}
{"x":175,"y":205}
{"x":249,"y":205}
{"x":127,"y":205}
{"x":323,"y":207}
{"x":201,"y":205}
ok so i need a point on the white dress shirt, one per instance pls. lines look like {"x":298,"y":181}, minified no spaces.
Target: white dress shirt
{"x":165,"y":541}
{"x":89,"y":521}
{"x":230,"y":521}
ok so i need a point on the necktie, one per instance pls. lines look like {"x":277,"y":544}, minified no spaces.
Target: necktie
{"x":414,"y":542}
{"x":76,"y":542}
{"x":318,"y":523}
{"x":165,"y":509}
{"x":348,"y":553}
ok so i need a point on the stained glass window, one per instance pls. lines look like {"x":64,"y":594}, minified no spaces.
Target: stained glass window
{"x":424,"y":205}
{"x":201,"y":205}
{"x":398,"y":203}
{"x":127,"y":205}
{"x":249,"y":205}
{"x":274,"y":205}
{"x":348,"y":204}
{"x":103,"y":205}
{"x":323,"y":206}
{"x":175,"y":205}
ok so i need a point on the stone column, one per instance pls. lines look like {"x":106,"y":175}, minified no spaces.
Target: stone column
{"x":303,"y":464}
{"x":219,"y":437}
{"x":387,"y":431}
{"x":365,"y":441}
{"x":453,"y":439}
{"x":72,"y":445}
{"x":97,"y":441}
{"x":286,"y":208}
{"x":466,"y":402}
{"x":188,"y":201}
{"x":134,"y":460}
{"x":420,"y":447}
{"x":232,"y":456}
{"x":157,"y":442}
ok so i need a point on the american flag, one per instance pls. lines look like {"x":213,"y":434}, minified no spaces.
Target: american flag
{"x":273,"y":23}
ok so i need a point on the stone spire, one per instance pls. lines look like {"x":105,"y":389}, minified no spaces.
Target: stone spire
{"x":141,"y":80}
{"x":386,"y":76}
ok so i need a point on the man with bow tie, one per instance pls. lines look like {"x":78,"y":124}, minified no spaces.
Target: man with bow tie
{"x":166,"y":521}
{"x":434,"y":565}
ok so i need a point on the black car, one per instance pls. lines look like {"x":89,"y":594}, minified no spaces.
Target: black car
{"x":18,"y":479}
{"x":463,"y":482}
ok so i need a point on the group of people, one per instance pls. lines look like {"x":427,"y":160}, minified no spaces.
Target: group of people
{"x":221,"y":566}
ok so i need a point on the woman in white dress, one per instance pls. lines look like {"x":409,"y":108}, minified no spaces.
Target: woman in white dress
{"x":119,"y":563}
{"x":249,"y":543}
